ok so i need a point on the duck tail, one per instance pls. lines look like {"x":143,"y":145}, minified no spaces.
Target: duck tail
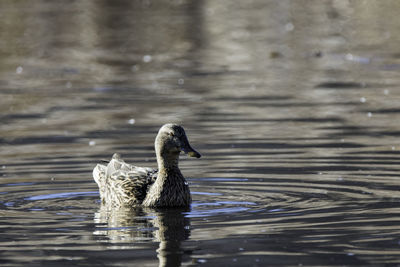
{"x":98,"y":174}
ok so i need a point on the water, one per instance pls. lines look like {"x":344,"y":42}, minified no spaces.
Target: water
{"x":293,"y":105}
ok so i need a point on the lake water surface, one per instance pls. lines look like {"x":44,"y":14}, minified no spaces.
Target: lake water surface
{"x":294,"y":106}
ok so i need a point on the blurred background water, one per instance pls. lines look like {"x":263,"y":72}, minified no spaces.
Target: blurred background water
{"x":293,"y":104}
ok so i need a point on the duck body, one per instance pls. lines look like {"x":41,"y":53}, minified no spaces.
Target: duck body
{"x":121,"y":184}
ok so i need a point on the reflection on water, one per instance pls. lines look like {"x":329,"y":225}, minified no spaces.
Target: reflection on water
{"x":133,"y":226}
{"x":294,"y":104}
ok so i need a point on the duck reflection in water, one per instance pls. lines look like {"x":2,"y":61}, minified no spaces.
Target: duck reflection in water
{"x":169,"y":227}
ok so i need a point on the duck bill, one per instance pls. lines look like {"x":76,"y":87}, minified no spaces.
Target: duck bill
{"x":190,"y":150}
{"x":194,"y":153}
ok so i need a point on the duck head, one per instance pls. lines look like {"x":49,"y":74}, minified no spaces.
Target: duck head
{"x":171,"y":140}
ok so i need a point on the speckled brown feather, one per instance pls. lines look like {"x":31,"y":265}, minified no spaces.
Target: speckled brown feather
{"x":122,"y":184}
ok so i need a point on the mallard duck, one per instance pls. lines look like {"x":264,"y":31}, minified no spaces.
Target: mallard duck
{"x":122,"y":184}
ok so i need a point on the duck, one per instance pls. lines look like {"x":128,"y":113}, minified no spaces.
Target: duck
{"x":125,"y":185}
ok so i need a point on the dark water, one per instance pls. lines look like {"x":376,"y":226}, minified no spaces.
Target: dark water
{"x":293,"y":104}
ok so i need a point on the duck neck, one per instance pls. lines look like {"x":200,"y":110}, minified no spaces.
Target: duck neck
{"x":167,"y":164}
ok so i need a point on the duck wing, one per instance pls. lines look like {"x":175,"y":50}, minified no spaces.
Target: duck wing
{"x":123,"y":184}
